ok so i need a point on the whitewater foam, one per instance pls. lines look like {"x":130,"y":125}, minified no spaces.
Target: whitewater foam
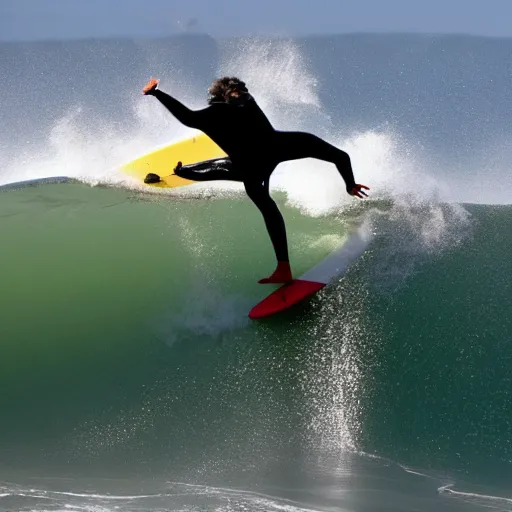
{"x":82,"y":144}
{"x":485,"y":500}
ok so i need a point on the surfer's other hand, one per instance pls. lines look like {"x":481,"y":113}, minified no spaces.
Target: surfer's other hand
{"x":150,"y":87}
{"x":356,"y":190}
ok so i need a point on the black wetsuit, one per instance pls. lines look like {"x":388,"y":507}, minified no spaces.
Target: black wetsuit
{"x":241,"y":130}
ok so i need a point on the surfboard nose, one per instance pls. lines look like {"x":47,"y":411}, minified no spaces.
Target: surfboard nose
{"x":285,"y":297}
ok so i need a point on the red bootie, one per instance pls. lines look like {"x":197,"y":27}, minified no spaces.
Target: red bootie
{"x":281,"y":275}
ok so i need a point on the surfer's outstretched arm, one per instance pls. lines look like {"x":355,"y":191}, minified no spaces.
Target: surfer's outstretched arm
{"x":190,"y":118}
{"x":298,"y":145}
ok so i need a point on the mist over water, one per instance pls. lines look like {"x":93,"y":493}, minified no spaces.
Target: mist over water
{"x":77,"y":110}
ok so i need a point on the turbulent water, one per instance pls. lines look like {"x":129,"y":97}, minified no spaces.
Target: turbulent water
{"x":131,"y":378}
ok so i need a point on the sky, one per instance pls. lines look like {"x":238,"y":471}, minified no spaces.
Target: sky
{"x":65,"y":19}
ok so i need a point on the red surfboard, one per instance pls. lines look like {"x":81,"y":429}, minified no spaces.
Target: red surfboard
{"x":311,"y":282}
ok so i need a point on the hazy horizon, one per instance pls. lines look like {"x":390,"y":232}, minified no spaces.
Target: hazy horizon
{"x":312,"y":35}
{"x":32,"y":20}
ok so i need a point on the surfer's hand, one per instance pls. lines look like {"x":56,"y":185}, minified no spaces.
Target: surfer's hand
{"x":150,"y":87}
{"x":357,"y":191}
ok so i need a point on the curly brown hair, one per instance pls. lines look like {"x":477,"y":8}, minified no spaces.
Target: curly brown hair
{"x":221,"y":89}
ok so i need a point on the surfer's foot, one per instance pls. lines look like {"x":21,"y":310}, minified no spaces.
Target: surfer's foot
{"x":179,"y":165}
{"x":281,"y":275}
{"x":150,"y":87}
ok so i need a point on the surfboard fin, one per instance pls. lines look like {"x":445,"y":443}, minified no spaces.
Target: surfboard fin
{"x":152,"y":178}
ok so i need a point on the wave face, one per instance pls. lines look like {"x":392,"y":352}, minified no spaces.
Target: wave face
{"x":125,"y":347}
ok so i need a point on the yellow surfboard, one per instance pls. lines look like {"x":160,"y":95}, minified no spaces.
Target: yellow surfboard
{"x":163,"y":160}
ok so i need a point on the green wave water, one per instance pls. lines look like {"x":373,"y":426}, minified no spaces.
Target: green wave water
{"x":126,"y":347}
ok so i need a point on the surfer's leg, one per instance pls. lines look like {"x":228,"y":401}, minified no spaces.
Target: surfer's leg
{"x":298,"y":145}
{"x":258,"y":192}
{"x":209,"y":170}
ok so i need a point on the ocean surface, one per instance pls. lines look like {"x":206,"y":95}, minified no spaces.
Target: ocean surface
{"x":131,"y":378}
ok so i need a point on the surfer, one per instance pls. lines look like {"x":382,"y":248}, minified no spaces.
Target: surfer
{"x":235,"y":122}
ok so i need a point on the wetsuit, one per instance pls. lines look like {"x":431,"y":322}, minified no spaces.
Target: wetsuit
{"x":241,"y":130}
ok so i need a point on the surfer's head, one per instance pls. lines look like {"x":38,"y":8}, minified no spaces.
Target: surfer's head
{"x":227,"y":89}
